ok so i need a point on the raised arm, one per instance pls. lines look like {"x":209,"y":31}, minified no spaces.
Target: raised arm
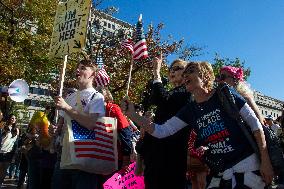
{"x":170,"y":127}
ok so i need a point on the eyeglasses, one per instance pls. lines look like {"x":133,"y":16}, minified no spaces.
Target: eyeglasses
{"x":175,"y":68}
{"x":222,"y":77}
{"x":188,"y":70}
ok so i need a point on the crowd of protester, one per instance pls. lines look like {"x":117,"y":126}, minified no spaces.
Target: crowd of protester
{"x":188,"y":141}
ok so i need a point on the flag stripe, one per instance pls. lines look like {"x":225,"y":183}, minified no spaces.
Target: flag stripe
{"x":95,"y":156}
{"x":109,"y":132}
{"x":93,"y":143}
{"x":143,"y":54}
{"x":93,"y":150}
{"x":140,"y":47}
{"x":104,"y":135}
{"x":103,"y":124}
{"x":104,"y":140}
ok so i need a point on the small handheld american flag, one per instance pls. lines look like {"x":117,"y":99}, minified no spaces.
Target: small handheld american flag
{"x":102,"y":79}
{"x":140,"y":48}
{"x":127,"y":43}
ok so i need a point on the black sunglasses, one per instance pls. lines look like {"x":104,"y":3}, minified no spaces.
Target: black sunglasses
{"x":175,"y":68}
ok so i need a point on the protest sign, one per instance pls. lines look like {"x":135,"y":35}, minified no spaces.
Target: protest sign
{"x":70,"y":27}
{"x":125,"y":179}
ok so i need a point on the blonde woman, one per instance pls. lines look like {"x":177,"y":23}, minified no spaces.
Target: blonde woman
{"x":232,"y":161}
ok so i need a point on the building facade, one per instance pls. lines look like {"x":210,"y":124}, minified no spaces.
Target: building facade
{"x":268,"y":105}
{"x":39,"y":96}
{"x":108,"y":27}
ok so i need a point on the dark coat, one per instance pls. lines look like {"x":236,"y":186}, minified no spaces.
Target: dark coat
{"x":165,"y":159}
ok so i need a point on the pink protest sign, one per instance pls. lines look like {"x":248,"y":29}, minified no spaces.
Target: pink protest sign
{"x":125,"y":179}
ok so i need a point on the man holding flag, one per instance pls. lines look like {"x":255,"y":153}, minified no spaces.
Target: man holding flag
{"x":92,"y":103}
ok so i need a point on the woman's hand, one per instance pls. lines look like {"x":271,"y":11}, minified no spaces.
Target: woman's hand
{"x":157,"y":63}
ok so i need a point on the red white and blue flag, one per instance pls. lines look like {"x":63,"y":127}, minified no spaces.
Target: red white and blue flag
{"x":140,"y":47}
{"x":102,"y":79}
{"x":127,"y":43}
{"x":97,"y":143}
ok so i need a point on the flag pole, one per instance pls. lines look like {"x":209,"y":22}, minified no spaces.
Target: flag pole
{"x":131,"y":65}
{"x":129,"y":77}
{"x":61,"y":82}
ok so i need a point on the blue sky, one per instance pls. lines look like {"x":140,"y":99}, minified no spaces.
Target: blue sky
{"x":252,"y":30}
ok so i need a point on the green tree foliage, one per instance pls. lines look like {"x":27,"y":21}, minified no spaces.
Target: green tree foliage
{"x":24,"y":53}
{"x":25,"y":41}
{"x":220,"y":62}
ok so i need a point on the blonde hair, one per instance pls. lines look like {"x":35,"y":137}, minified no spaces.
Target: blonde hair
{"x":244,"y":89}
{"x":107,"y":94}
{"x":184,"y":63}
{"x":205,"y":72}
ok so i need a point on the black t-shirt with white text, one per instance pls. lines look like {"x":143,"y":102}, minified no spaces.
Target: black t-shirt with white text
{"x":216,"y":130}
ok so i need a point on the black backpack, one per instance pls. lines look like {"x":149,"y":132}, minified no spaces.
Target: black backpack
{"x":273,"y":144}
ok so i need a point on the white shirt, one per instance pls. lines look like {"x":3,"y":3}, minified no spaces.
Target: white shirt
{"x":91,"y":104}
{"x":8,"y":142}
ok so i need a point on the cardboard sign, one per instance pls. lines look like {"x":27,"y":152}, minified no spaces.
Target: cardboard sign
{"x":70,"y":27}
{"x":125,"y":179}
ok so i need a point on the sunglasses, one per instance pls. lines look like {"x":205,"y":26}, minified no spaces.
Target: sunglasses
{"x":189,"y":70}
{"x":175,"y":68}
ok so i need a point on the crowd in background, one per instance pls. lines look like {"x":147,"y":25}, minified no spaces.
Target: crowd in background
{"x":163,"y":150}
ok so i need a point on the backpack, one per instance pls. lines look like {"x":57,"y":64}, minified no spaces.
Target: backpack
{"x":273,"y":144}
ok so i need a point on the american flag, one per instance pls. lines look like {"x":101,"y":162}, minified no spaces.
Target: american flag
{"x":97,"y":143}
{"x":102,"y":79}
{"x":140,"y":48}
{"x":127,"y":43}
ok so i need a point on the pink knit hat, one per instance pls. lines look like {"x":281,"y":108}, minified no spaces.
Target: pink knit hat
{"x":237,"y":73}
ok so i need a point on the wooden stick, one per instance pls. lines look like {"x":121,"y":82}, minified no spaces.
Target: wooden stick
{"x":62,"y":75}
{"x":129,"y":77}
{"x":61,"y":82}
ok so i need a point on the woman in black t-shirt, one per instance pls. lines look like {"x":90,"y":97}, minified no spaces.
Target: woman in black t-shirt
{"x":229,"y":156}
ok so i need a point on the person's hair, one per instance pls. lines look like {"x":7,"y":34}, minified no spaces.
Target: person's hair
{"x":184,"y":63}
{"x":6,"y":127}
{"x":204,"y":70}
{"x":107,"y":94}
{"x":244,"y":89}
{"x":88,"y":62}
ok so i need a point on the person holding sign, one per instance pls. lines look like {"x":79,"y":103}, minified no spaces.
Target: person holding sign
{"x":230,"y":157}
{"x":92,"y":103}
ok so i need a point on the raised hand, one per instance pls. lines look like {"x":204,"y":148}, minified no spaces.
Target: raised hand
{"x":157,"y":63}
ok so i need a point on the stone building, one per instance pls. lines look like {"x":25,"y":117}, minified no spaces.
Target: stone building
{"x":268,"y":105}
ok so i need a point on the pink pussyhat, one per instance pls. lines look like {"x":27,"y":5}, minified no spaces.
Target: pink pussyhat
{"x":234,"y":71}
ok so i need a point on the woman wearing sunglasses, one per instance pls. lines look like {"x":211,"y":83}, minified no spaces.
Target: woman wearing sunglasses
{"x":232,"y":161}
{"x":165,"y":159}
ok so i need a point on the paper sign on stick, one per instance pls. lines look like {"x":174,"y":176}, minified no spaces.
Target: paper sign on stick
{"x":125,"y":180}
{"x":70,"y":27}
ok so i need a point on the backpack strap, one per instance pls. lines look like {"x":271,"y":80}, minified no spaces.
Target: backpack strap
{"x":229,"y":105}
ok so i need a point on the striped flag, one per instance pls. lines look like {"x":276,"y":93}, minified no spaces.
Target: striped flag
{"x":127,"y":43}
{"x":102,"y":79}
{"x":140,"y":48}
{"x":97,"y":143}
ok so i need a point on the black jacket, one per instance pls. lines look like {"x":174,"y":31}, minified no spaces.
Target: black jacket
{"x":165,"y":159}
